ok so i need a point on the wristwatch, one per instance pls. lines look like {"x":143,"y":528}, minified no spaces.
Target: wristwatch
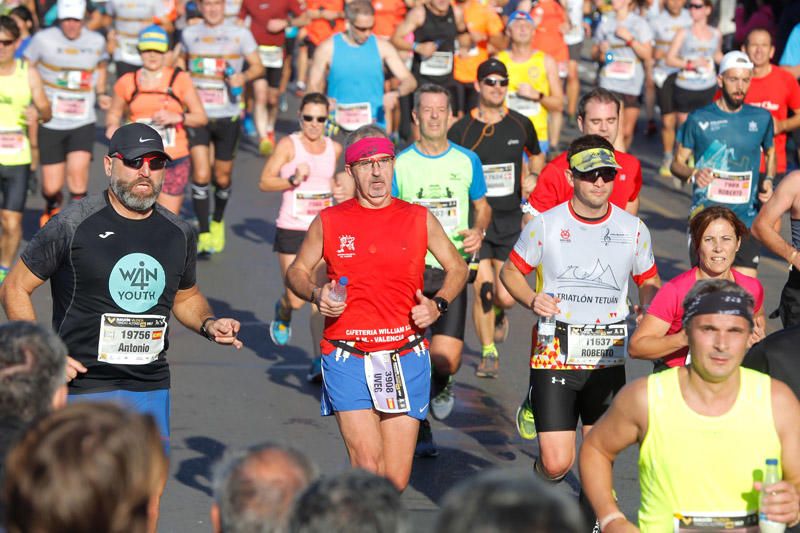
{"x":441,"y":304}
{"x":204,"y":332}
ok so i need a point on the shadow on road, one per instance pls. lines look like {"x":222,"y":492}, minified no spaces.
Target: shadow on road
{"x":255,"y":230}
{"x":196,"y":472}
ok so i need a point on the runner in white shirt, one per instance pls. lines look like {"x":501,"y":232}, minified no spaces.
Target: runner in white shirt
{"x":585,"y":250}
{"x":131,"y":17}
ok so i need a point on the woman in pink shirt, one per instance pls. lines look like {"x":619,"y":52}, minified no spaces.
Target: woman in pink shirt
{"x":303,"y":169}
{"x":716,"y":235}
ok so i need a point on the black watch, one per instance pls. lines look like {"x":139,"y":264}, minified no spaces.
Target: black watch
{"x":441,"y":304}
{"x":204,"y":332}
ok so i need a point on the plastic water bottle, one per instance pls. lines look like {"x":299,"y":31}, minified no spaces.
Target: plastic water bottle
{"x":236,"y":92}
{"x":547,"y":328}
{"x":339,"y":291}
{"x":770,"y":476}
{"x":473,"y":267}
{"x":609,"y":57}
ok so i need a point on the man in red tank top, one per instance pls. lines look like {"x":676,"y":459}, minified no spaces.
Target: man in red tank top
{"x":375,"y":363}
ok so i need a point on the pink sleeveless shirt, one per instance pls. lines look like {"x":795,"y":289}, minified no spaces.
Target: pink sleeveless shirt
{"x":301,"y":204}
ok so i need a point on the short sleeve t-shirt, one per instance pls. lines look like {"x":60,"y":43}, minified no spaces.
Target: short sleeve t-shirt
{"x":667,"y":305}
{"x":69,"y":74}
{"x":211,"y":51}
{"x":585,"y":264}
{"x":109,"y":273}
{"x":552,"y":187}
{"x":664,"y":27}
{"x":625,"y":73}
{"x":480,"y":18}
{"x":446,"y":184}
{"x":500,"y":154}
{"x":791,"y":52}
{"x":147,"y":103}
{"x":777,"y":92}
{"x":261,"y":13}
{"x":730,"y":144}
{"x":131,"y":17}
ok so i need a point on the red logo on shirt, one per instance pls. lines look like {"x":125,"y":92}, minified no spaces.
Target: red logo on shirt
{"x":565,"y":236}
{"x":347,"y":246}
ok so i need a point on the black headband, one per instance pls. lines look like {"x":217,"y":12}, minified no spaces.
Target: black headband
{"x":718,"y":303}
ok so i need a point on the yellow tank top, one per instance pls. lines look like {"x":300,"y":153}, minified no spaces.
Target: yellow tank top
{"x":700,"y":466}
{"x":534,"y":74}
{"x":15,"y":96}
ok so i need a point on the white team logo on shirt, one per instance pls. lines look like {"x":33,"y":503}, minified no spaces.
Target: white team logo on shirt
{"x":347,"y":246}
{"x":703,"y":125}
{"x":752,"y":126}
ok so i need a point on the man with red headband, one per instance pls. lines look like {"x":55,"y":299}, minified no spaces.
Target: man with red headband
{"x":375,"y":361}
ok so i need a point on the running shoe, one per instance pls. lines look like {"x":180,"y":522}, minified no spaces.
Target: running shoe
{"x":283,"y":103}
{"x":217,"y":231}
{"x":300,"y":89}
{"x":267,"y":144}
{"x":3,"y":274}
{"x":500,"y":327}
{"x":425,"y":445}
{"x":664,"y":170}
{"x":526,"y":427}
{"x":315,"y":370}
{"x":489,"y":367}
{"x":442,"y":404}
{"x":205,"y":243}
{"x":249,"y":126}
{"x":280,"y":331}
{"x":47,"y":215}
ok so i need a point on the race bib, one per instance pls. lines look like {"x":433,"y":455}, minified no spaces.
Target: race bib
{"x":597,"y":345}
{"x":352,"y":116}
{"x":308,"y":204}
{"x":70,"y":106}
{"x":499,"y":179}
{"x":167,"y":133}
{"x":131,"y":339}
{"x":445,"y":210}
{"x":733,"y":522}
{"x":11,"y":141}
{"x":523,"y":106}
{"x":622,"y":68}
{"x":386,"y":382}
{"x":439,"y":64}
{"x":730,"y":187}
{"x":213,"y":95}
{"x":271,"y":56}
{"x":699,"y":73}
{"x":128,"y":49}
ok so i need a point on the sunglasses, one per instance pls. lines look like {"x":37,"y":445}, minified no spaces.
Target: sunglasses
{"x":696,"y":6}
{"x":310,"y":118}
{"x":494,"y":82}
{"x":155,"y":162}
{"x":364,"y":29}
{"x":382,"y":162}
{"x":608,"y":174}
{"x":6,"y":42}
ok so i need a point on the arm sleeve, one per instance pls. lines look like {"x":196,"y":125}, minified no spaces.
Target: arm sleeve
{"x":644,"y":264}
{"x":477,"y":189}
{"x":527,"y":252}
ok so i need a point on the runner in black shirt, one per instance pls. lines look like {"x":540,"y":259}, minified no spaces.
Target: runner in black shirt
{"x":777,"y":356}
{"x":118,"y":265}
{"x":500,"y":137}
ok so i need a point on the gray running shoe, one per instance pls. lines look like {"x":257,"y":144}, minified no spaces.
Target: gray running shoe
{"x":489,"y":366}
{"x":442,"y":404}
{"x":425,"y":445}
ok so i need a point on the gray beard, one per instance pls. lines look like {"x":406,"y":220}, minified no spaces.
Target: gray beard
{"x":139,"y":204}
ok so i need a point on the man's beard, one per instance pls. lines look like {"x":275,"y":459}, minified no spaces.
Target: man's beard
{"x":132,"y":201}
{"x":732,"y":104}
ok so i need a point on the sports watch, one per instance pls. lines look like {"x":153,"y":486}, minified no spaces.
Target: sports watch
{"x":441,"y":304}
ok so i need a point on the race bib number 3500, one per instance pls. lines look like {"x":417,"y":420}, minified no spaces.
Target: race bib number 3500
{"x":131,"y":339}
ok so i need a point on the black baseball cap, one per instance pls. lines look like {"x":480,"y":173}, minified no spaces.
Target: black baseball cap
{"x":134,"y":140}
{"x":491,"y":66}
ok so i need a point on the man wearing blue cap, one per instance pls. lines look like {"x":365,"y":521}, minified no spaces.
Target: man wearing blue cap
{"x":119,"y":265}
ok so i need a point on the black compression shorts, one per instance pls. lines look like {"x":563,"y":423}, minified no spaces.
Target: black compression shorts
{"x":452,"y":323}
{"x":223,"y":132}
{"x":54,"y":145}
{"x":559,"y":397}
{"x":14,"y":184}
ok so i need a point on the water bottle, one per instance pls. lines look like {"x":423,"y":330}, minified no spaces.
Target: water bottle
{"x":473,"y":267}
{"x":546,"y":329}
{"x":609,"y":58}
{"x":236,"y":92}
{"x":339,"y":291}
{"x":770,"y":476}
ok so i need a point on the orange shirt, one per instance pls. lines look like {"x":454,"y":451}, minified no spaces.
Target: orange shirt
{"x":550,"y":16}
{"x":146,"y":103}
{"x":388,"y":16}
{"x":319,"y":30}
{"x":479,"y":17}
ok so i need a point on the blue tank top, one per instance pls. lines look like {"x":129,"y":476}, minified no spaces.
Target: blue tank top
{"x":356,"y":75}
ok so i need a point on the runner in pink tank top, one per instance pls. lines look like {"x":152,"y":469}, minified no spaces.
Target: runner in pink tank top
{"x":303,"y":169}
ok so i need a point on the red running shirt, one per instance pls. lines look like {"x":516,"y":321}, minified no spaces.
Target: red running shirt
{"x":382,"y":254}
{"x":552,"y":187}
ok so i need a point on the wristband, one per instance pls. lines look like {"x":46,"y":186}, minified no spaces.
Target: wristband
{"x":414,"y":46}
{"x":610,"y":518}
{"x":769,"y":178}
{"x":628,"y":43}
{"x":314,"y":300}
{"x":204,"y":332}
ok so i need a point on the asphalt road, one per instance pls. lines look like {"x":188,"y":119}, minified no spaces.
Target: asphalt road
{"x":226,"y":399}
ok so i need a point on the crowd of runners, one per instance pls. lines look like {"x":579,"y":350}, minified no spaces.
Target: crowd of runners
{"x":441,"y":124}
